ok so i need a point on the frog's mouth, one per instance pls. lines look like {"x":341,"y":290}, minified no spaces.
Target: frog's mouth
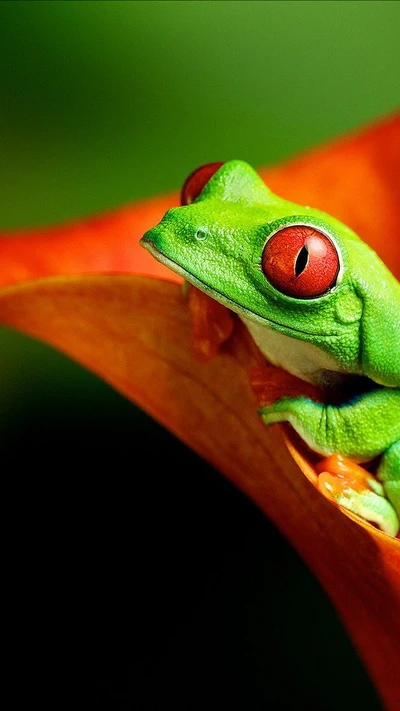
{"x":148,"y":244}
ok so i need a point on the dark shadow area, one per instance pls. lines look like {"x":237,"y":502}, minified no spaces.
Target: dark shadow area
{"x":138,"y":578}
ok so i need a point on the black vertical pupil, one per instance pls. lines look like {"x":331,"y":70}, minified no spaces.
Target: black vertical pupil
{"x":301,"y":261}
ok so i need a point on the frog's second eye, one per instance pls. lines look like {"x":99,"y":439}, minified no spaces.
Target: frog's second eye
{"x":301,"y":262}
{"x":196,"y":181}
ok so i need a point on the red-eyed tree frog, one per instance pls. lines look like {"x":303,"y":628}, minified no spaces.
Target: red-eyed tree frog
{"x":317,"y":301}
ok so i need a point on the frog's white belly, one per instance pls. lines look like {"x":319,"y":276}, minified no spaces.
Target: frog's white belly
{"x":300,"y":358}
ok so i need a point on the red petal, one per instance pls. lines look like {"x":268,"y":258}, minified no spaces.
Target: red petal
{"x":135,"y":332}
{"x":103,"y":243}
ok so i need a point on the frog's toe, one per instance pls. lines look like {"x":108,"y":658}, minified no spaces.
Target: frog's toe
{"x":389,"y":474}
{"x":356,"y":490}
{"x":392,"y":491}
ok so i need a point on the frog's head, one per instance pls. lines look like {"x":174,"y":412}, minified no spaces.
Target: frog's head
{"x":234,"y":238}
{"x":292,"y":268}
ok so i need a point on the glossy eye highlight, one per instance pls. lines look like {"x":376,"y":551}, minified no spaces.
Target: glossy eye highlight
{"x":301,"y":261}
{"x":196,"y":181}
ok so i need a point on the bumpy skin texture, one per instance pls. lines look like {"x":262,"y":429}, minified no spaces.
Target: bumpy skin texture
{"x":346,"y":339}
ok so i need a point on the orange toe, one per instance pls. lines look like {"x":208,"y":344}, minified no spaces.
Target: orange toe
{"x":337,"y":473}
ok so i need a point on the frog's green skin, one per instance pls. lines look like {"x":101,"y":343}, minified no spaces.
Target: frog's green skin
{"x":353,"y":330}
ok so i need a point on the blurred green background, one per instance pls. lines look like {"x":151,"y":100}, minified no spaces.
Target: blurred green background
{"x":151,"y":581}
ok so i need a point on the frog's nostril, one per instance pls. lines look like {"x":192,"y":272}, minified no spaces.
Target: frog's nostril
{"x":201,"y":234}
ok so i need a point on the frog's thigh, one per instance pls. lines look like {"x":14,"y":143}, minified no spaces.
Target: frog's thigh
{"x":389,"y":474}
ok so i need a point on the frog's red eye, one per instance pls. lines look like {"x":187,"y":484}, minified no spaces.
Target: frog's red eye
{"x":300,"y":261}
{"x":196,"y":181}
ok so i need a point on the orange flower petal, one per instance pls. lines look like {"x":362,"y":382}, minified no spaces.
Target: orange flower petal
{"x":102,"y":243}
{"x":135,"y":332}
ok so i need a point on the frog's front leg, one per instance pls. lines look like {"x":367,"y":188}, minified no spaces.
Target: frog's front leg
{"x":361,"y":429}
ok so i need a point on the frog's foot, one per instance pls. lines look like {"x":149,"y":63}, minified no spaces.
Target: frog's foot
{"x":357,"y":490}
{"x":389,"y":474}
{"x":212,"y":323}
